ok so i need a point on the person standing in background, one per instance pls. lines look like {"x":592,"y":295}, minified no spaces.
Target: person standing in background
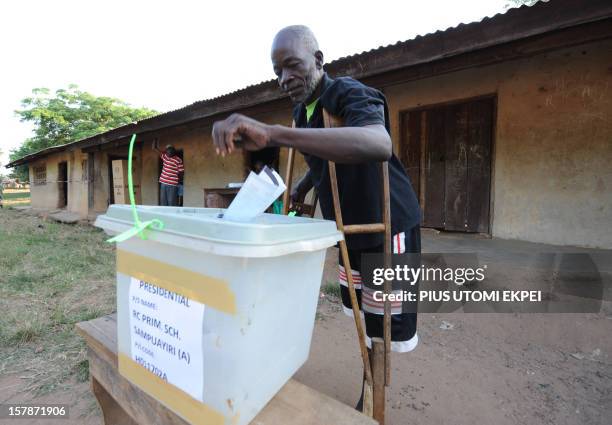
{"x":171,"y":175}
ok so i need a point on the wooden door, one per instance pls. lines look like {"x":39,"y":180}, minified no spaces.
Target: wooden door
{"x":62,"y":181}
{"x":456,"y":166}
{"x":452,"y":175}
{"x":434,"y":172}
{"x":480,"y":136}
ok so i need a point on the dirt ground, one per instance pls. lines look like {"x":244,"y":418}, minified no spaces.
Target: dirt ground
{"x":485,"y":368}
{"x":468,"y":368}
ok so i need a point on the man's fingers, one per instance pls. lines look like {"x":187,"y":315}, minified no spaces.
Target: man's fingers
{"x":213,"y":134}
{"x":217,"y":134}
{"x":220,"y":137}
{"x":223,"y":141}
{"x":229,"y":138}
{"x":232,"y":133}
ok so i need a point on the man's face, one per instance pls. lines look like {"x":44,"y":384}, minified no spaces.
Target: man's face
{"x":295,"y":67}
{"x":170,"y":151}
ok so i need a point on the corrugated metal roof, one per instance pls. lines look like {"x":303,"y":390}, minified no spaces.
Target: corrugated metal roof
{"x":451,"y":28}
{"x":38,"y":154}
{"x":511,"y":25}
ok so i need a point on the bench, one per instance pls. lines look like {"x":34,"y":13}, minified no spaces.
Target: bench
{"x":125,"y":404}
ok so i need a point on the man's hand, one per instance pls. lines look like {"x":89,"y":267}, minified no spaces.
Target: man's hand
{"x":300,"y":189}
{"x":296,"y":196}
{"x":239,"y":130}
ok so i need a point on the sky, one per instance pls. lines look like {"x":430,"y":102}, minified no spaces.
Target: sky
{"x":165,"y":55}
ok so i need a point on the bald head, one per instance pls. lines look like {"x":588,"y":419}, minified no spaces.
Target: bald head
{"x":297,"y":62}
{"x":300,"y":33}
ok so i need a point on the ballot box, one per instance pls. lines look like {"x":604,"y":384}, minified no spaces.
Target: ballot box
{"x":214,"y":317}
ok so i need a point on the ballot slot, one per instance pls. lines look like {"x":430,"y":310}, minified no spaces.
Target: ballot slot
{"x":256,"y":194}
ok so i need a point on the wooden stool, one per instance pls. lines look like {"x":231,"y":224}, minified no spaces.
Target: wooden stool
{"x":125,"y":404}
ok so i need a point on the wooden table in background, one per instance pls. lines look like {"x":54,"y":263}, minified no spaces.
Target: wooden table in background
{"x":125,"y":404}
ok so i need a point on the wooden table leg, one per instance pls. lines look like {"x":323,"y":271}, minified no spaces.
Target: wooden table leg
{"x":111,"y":411}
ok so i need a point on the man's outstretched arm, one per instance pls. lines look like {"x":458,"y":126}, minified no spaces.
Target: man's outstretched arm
{"x":344,"y":145}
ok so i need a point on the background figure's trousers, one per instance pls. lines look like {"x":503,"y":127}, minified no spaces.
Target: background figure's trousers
{"x":168,"y":195}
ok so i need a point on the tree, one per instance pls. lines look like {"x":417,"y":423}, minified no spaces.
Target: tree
{"x":67,"y":116}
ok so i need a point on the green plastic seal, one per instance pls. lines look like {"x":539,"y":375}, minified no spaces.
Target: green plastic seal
{"x":140,"y":227}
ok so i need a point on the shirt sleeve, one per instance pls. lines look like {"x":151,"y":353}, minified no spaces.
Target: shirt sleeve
{"x":358,"y":104}
{"x":180,"y":166}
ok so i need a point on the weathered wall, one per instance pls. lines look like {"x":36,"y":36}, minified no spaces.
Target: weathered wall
{"x":77,"y":183}
{"x":101,"y":182}
{"x":47,"y":196}
{"x":203,"y":168}
{"x":552,"y":177}
{"x":103,"y":176}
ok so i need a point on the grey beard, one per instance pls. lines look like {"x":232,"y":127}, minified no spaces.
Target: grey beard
{"x":311,"y":86}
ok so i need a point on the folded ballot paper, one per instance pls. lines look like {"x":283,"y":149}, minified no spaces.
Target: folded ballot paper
{"x":257,"y":193}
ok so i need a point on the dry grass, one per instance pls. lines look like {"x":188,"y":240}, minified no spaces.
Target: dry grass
{"x":16,"y":197}
{"x":51,"y":276}
{"x":331,"y":289}
{"x":23,"y":191}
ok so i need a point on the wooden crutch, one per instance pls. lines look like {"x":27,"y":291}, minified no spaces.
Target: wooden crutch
{"x":308,"y":209}
{"x":374,"y":388}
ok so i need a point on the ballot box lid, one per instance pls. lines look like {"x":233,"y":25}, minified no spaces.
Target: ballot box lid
{"x":206,"y":229}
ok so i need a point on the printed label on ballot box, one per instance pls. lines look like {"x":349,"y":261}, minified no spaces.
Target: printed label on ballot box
{"x":166,"y":335}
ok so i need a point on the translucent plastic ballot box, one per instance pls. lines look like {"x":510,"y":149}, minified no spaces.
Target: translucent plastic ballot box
{"x":214,"y":317}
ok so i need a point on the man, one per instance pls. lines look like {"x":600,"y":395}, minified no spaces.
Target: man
{"x":357,"y":148}
{"x":170,"y":177}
